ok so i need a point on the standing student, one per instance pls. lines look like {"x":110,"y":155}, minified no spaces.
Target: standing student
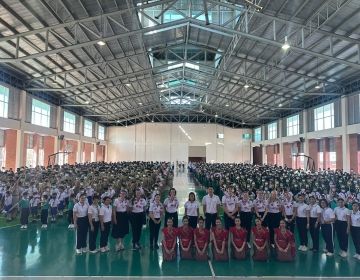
{"x":156,"y":211}
{"x":171,"y":205}
{"x":54,"y":203}
{"x":230,"y":206}
{"x":44,"y":211}
{"x":24,"y":205}
{"x":81,"y":224}
{"x":274,"y":215}
{"x":219,"y":237}
{"x":201,"y":241}
{"x":137,"y":214}
{"x":169,"y":241}
{"x":314,"y":214}
{"x":354,"y":219}
{"x":260,"y":241}
{"x":192,"y":210}
{"x":238,"y":239}
{"x":327,"y":227}
{"x":211,"y":203}
{"x":342,"y":226}
{"x":302,"y":222}
{"x":186,"y":235}
{"x":120,"y":228}
{"x":288,"y":211}
{"x":246,"y":215}
{"x":105,"y":215}
{"x":94,"y":223}
{"x":34,"y":205}
{"x":70,"y":207}
{"x":260,"y":207}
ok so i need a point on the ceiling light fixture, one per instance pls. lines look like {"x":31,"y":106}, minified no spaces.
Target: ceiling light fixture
{"x":140,"y":103}
{"x":246,"y":86}
{"x":286,"y":45}
{"x":101,"y":43}
{"x":318,"y":86}
{"x":128,"y":85}
{"x":216,"y":115}
{"x":280,"y":105}
{"x":227,"y":105}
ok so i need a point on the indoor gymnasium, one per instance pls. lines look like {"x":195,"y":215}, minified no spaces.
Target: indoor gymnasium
{"x":190,"y":139}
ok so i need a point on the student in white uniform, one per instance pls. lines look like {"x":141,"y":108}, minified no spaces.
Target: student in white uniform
{"x":211,"y":203}
{"x":354,"y":219}
{"x":288,"y":211}
{"x":156,"y":212}
{"x":94,"y":223}
{"x":137,"y":214}
{"x":301,"y":210}
{"x":171,"y":205}
{"x":327,"y":227}
{"x":260,"y":207}
{"x":121,"y":208}
{"x":274,"y":215}
{"x":342,"y":226}
{"x":81,"y":224}
{"x":192,"y":210}
{"x":105,"y":216}
{"x":246,"y":214}
{"x":230,"y":204}
{"x":314,"y":216}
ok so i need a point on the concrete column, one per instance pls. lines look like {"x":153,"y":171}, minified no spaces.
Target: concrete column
{"x":281,"y":148}
{"x":80,"y":147}
{"x":20,"y":133}
{"x":345,"y":137}
{"x":305,"y":129}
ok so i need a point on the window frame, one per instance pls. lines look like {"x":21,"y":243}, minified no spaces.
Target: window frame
{"x":102,"y":134}
{"x":69,"y":122}
{"x":88,"y":128}
{"x":272,"y":130}
{"x":40,"y":113}
{"x":324,"y":117}
{"x":257,"y":134}
{"x":4,"y":101}
{"x":293,"y":125}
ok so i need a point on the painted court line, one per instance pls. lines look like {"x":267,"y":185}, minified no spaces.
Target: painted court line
{"x":211,"y":269}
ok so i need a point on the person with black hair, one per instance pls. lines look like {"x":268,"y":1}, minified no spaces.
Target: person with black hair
{"x":105,"y":216}
{"x":169,"y":241}
{"x":192,"y":210}
{"x":137,"y":215}
{"x":354,"y":220}
{"x":230,"y":206}
{"x":342,"y":226}
{"x":302,"y":222}
{"x":314,"y":216}
{"x":24,"y":205}
{"x":327,"y":227}
{"x":211,"y":204}
{"x":156,"y":211}
{"x":171,"y":205}
{"x":219,"y":237}
{"x":238,"y":240}
{"x":81,"y":224}
{"x":120,"y":229}
{"x":201,"y":240}
{"x":94,"y":223}
{"x":186,"y":235}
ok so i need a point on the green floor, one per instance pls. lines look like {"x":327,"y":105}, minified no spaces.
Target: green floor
{"x":36,"y":252}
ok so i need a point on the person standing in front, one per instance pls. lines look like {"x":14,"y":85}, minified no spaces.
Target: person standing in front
{"x":230,"y":205}
{"x":81,"y":224}
{"x":171,"y":205}
{"x":211,"y":203}
{"x":327,"y":227}
{"x":156,"y":211}
{"x":137,"y":218}
{"x":354,"y":219}
{"x":105,"y":215}
{"x":94,"y":222}
{"x":314,"y":214}
{"x":302,"y":222}
{"x":342,"y":226}
{"x":121,"y":208}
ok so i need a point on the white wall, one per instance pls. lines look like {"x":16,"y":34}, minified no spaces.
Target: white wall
{"x":166,"y":142}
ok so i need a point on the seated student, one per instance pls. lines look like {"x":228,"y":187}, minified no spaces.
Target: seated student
{"x":169,"y":241}
{"x":201,"y":241}
{"x":186,"y":234}
{"x":260,"y":241}
{"x":238,"y":237}
{"x":219,"y":238}
{"x":284,"y":243}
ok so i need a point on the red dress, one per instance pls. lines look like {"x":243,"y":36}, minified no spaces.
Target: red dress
{"x":239,"y":239}
{"x":186,"y":235}
{"x":220,"y":236}
{"x":168,"y":242}
{"x":283,"y":240}
{"x":261,"y":237}
{"x":202,"y":239}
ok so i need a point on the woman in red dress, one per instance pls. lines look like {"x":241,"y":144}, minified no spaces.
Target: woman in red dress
{"x":260,"y":241}
{"x":238,"y":240}
{"x":201,"y":241}
{"x":219,"y":237}
{"x":285,"y":243}
{"x":186,"y":234}
{"x":169,"y":241}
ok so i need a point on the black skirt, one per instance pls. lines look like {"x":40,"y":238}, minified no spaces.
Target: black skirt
{"x":122,"y":227}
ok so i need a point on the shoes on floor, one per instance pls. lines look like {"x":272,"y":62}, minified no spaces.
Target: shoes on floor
{"x":78,"y":251}
{"x":329,"y":254}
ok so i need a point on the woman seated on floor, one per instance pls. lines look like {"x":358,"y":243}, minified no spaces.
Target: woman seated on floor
{"x":201,"y":241}
{"x":238,"y":240}
{"x":186,"y":234}
{"x":260,"y":241}
{"x":219,"y":238}
{"x":169,"y":241}
{"x":284,"y":243}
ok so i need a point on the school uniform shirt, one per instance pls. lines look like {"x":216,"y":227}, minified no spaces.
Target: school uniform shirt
{"x":106,"y":212}
{"x":211,"y":203}
{"x":327,"y":215}
{"x":260,"y":205}
{"x":171,"y":205}
{"x":121,"y":205}
{"x":355,"y":218}
{"x":34,"y":202}
{"x":191,"y":208}
{"x":8,"y":200}
{"x":81,"y":210}
{"x":94,"y":211}
{"x":288,"y":207}
{"x":138,"y":205}
{"x":89,"y":191}
{"x":341,"y":213}
{"x":230,"y":202}
{"x":61,"y":196}
{"x":301,"y":209}
{"x":315,"y":210}
{"x":245,"y":205}
{"x":274,"y":207}
{"x":54,"y":202}
{"x":156,"y":209}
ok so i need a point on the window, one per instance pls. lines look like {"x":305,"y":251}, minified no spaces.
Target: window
{"x":272,"y":130}
{"x":257,"y":134}
{"x":4,"y":101}
{"x":101,"y":133}
{"x":220,"y":135}
{"x":88,"y":127}
{"x":324,"y":117}
{"x":292,"y":125}
{"x":69,"y":122}
{"x":246,"y":136}
{"x":40,"y":113}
